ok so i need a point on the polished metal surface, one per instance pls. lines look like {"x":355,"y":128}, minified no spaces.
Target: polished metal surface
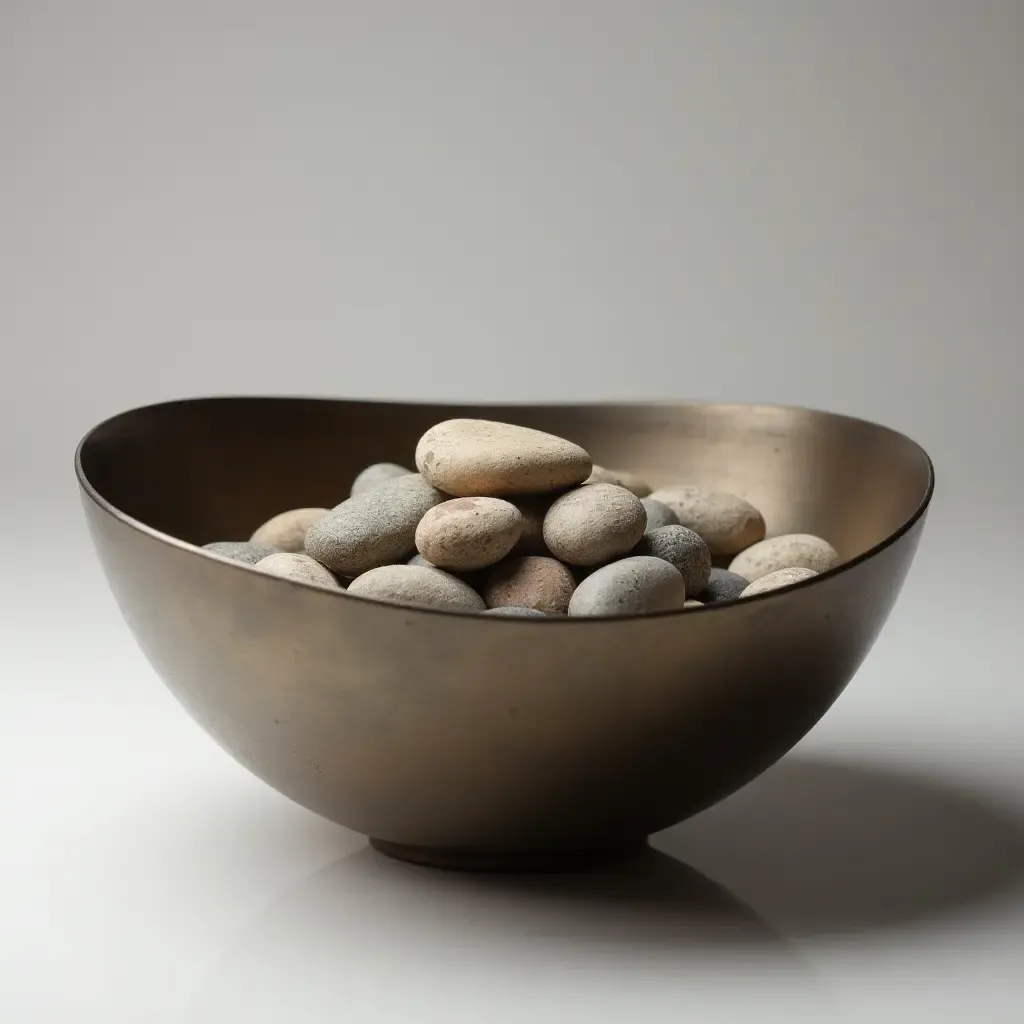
{"x":454,"y":738}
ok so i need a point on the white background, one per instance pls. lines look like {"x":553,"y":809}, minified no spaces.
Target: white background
{"x":803,"y":202}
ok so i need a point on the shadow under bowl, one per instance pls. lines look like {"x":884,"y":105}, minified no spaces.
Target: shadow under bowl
{"x":469,"y":740}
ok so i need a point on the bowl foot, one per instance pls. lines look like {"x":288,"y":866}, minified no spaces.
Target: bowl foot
{"x":471,"y":859}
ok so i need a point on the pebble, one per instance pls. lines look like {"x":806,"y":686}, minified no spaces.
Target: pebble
{"x":791,"y":551}
{"x":417,"y":585}
{"x":240,"y":550}
{"x":512,"y":611}
{"x":682,"y":548}
{"x":531,"y":582}
{"x":594,"y":524}
{"x":693,"y":604}
{"x":467,"y":457}
{"x":294,"y":566}
{"x":619,"y":477}
{"x":631,"y":586}
{"x":375,"y":475}
{"x":374,"y":528}
{"x":777,"y":580}
{"x":723,"y":586}
{"x":727,"y":523}
{"x":287,"y":530}
{"x":468,"y":533}
{"x":658,"y":514}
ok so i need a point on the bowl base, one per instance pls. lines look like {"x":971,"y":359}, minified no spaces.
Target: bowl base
{"x":495,"y":860}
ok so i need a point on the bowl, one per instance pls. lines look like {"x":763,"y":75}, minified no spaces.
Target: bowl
{"x":481,"y":741}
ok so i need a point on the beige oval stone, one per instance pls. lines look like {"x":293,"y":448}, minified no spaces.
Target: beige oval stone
{"x":287,"y":530}
{"x":291,"y":565}
{"x":468,"y":457}
{"x":777,"y":580}
{"x":689,"y":603}
{"x":726,"y":521}
{"x":594,"y":524}
{"x":417,"y":585}
{"x":468,"y":533}
{"x":621,"y":478}
{"x":790,"y":551}
{"x":375,"y":475}
{"x":374,"y":528}
{"x":630,"y":586}
{"x":531,"y":582}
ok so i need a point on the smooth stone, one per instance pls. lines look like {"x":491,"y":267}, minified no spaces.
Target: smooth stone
{"x":464,"y":534}
{"x":375,"y":475}
{"x":287,"y":530}
{"x":791,"y":551}
{"x":723,"y":586}
{"x":417,"y":585}
{"x":693,"y":604}
{"x":594,"y":524}
{"x":512,"y":612}
{"x":374,"y":528}
{"x":619,"y":477}
{"x":682,"y":548}
{"x":777,"y":580}
{"x":726,"y":521}
{"x":240,"y":550}
{"x":530,"y":582}
{"x":658,"y":514}
{"x":466,"y":458}
{"x":631,"y":586}
{"x":291,"y":565}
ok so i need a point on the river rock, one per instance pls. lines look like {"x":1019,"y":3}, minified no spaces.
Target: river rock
{"x":513,"y":612}
{"x":682,"y":548}
{"x":594,"y":524}
{"x":287,"y":530}
{"x":417,"y":585}
{"x":777,"y":580}
{"x":531,"y":582}
{"x":294,"y":566}
{"x":727,"y":522}
{"x":630,"y":586}
{"x":658,"y":514}
{"x":791,"y":551}
{"x":468,"y":533}
{"x":723,"y":586}
{"x":375,"y":475}
{"x":240,"y":550}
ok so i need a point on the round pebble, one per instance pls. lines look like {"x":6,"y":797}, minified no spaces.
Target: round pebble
{"x":723,"y":586}
{"x":468,"y":533}
{"x":294,"y":566}
{"x":513,"y":612}
{"x":531,"y":582}
{"x":417,"y":585}
{"x":682,"y":548}
{"x":658,"y":514}
{"x":631,"y":586}
{"x":467,"y":457}
{"x":777,"y":580}
{"x":240,"y":550}
{"x":594,"y":524}
{"x":287,"y":530}
{"x":374,"y":528}
{"x":727,"y":523}
{"x":792,"y":551}
{"x":375,"y":475}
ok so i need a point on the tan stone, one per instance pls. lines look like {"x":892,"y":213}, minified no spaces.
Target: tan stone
{"x":468,"y":533}
{"x":790,"y":551}
{"x":417,"y":585}
{"x":530,"y":582}
{"x":727,"y":522}
{"x":291,"y":565}
{"x":287,"y":530}
{"x":594,"y":524}
{"x":777,"y":580}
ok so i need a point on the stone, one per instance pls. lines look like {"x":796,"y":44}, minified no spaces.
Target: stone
{"x":291,"y":565}
{"x":287,"y":530}
{"x":530,"y":582}
{"x":594,"y":524}
{"x":727,"y":522}
{"x":723,"y":586}
{"x":630,"y":586}
{"x":791,"y":551}
{"x":777,"y":580}
{"x":690,"y":603}
{"x":464,"y":534}
{"x":682,"y":548}
{"x":531,"y":539}
{"x":512,"y":612}
{"x":375,"y":475}
{"x":240,"y":550}
{"x":468,"y":458}
{"x":374,"y":528}
{"x":619,"y":477}
{"x":417,"y":585}
{"x":658,"y":514}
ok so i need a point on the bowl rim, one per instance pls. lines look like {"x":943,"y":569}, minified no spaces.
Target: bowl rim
{"x":405,"y":609}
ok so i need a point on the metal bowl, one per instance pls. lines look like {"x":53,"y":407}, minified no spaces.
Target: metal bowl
{"x":471,"y":740}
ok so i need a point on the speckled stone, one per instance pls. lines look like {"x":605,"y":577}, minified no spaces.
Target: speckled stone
{"x":727,"y":523}
{"x":631,"y":586}
{"x":467,"y":458}
{"x":468,"y":533}
{"x":375,"y":475}
{"x":777,"y":580}
{"x":287,"y":530}
{"x":417,"y":585}
{"x":374,"y":528}
{"x":512,"y":612}
{"x":658,"y":514}
{"x":240,"y":550}
{"x":531,"y":582}
{"x":594,"y":524}
{"x":682,"y":548}
{"x":791,"y":551}
{"x":723,"y":586}
{"x":294,"y":566}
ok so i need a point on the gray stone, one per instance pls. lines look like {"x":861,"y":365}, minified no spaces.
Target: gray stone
{"x":419,"y":586}
{"x":631,"y":586}
{"x":594,"y":524}
{"x":682,"y":548}
{"x":658,"y":514}
{"x":375,"y":475}
{"x":777,"y":580}
{"x":723,"y":586}
{"x":513,"y":612}
{"x":291,"y":565}
{"x":240,"y":550}
{"x":727,"y":522}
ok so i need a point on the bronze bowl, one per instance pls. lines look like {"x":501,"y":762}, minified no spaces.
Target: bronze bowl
{"x":469,"y":740}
